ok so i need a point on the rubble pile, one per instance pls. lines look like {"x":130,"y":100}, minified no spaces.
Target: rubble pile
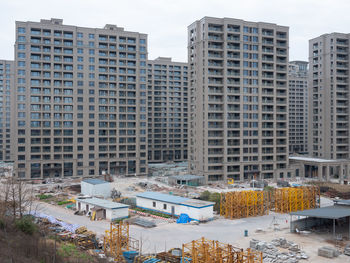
{"x":272,"y":254}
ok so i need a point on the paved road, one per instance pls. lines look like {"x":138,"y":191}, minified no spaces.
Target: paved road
{"x":171,"y":235}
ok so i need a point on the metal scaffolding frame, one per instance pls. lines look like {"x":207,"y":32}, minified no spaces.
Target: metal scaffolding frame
{"x":117,"y":240}
{"x":208,"y":251}
{"x":292,"y":199}
{"x":240,"y":204}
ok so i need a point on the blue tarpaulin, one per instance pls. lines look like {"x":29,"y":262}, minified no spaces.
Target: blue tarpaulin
{"x":183,"y":219}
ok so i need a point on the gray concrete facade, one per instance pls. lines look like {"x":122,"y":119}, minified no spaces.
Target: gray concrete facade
{"x":329,"y":96}
{"x":238,"y":119}
{"x":81,"y":100}
{"x":298,"y":107}
{"x":167,"y":92}
{"x":6,"y":89}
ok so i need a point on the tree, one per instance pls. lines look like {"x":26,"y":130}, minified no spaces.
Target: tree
{"x":16,"y":198}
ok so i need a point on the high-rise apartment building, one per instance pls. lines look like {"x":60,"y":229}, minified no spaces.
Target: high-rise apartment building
{"x":80,"y":100}
{"x":167,"y":110}
{"x":238,"y":119}
{"x":6,"y":88}
{"x":329,"y":96}
{"x":298,"y":107}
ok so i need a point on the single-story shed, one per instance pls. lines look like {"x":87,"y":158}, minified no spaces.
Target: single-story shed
{"x":96,"y":187}
{"x":175,"y":205}
{"x":187,"y":179}
{"x":103,"y":208}
{"x":321,"y":216}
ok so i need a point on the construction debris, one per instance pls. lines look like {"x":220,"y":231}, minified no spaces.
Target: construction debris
{"x":272,"y":254}
{"x":142,"y":222}
{"x":328,"y":252}
{"x":347,"y":250}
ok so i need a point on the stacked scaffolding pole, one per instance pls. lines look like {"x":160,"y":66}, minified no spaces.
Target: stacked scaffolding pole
{"x":291,"y":199}
{"x":209,"y":251}
{"x":240,"y":204}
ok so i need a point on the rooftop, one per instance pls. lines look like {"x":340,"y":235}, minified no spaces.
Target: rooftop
{"x":174,"y":199}
{"x":95,"y":181}
{"x":102,"y":203}
{"x":163,"y":197}
{"x":329,"y":212}
{"x":315,"y":160}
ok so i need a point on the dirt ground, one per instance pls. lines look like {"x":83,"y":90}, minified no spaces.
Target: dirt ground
{"x":171,"y":235}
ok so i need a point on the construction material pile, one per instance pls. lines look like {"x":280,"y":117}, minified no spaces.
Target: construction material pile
{"x":272,"y":254}
{"x":328,"y":252}
{"x":84,"y":238}
{"x":347,"y":250}
{"x":240,"y":204}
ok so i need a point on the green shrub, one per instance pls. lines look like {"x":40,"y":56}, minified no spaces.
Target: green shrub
{"x":26,"y":225}
{"x":205,"y":196}
{"x":155,"y":213}
{"x":216,"y":198}
{"x":63,"y":202}
{"x":70,"y":251}
{"x":269,"y":188}
{"x":43,"y":196}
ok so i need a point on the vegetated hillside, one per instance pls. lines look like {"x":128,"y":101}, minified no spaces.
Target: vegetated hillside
{"x":22,"y":241}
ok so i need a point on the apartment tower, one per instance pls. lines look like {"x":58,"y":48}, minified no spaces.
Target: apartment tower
{"x":238,"y":119}
{"x":329,"y":96}
{"x":298,"y":107}
{"x":80,"y":100}
{"x":167,"y":110}
{"x":6,"y":89}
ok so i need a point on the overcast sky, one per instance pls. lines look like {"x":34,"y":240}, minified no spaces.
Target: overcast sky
{"x":166,"y":21}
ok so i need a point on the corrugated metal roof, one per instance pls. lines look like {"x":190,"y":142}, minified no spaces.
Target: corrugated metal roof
{"x":163,"y":197}
{"x":95,"y":181}
{"x":174,"y":199}
{"x":102,"y":203}
{"x":330,"y":212}
{"x":197,"y":203}
{"x":341,"y":202}
{"x":310,"y":159}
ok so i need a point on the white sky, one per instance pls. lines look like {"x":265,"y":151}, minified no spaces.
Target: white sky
{"x":166,"y":21}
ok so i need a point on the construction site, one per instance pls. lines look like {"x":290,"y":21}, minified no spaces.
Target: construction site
{"x":153,"y":219}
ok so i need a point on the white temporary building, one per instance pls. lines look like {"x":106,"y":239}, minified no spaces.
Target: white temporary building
{"x":175,"y":205}
{"x":96,"y":187}
{"x":104,"y":209}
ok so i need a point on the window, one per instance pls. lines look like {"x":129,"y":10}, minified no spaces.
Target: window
{"x":21,"y":30}
{"x":164,"y":206}
{"x":154,"y":204}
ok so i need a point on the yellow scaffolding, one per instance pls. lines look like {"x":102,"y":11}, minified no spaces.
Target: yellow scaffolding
{"x":240,"y":204}
{"x":117,"y":240}
{"x":209,"y":251}
{"x":291,"y":199}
